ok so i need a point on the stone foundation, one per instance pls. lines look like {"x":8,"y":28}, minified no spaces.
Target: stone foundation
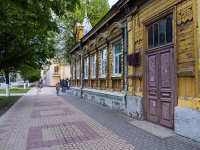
{"x":75,"y":91}
{"x":187,"y":121}
{"x":115,"y":100}
{"x":135,"y":107}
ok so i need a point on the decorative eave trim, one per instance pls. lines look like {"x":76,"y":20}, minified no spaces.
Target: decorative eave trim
{"x":101,"y":35}
{"x":101,"y":23}
{"x":92,"y":44}
{"x":102,"y":42}
{"x":74,"y":47}
{"x":114,"y":35}
{"x":112,"y":13}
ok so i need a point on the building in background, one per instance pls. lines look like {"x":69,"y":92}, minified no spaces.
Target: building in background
{"x":55,"y":72}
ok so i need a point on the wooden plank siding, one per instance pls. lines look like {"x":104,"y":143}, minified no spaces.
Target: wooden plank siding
{"x":183,"y":39}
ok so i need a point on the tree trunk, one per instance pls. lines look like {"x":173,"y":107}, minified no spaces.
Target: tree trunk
{"x":7,"y":83}
{"x":24,"y":83}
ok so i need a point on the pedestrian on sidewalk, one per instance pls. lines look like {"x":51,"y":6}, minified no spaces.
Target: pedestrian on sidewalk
{"x":58,"y":87}
{"x":41,"y":82}
{"x":38,"y":88}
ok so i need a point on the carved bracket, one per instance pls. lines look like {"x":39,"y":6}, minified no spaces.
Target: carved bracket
{"x":138,"y":34}
{"x":184,"y":14}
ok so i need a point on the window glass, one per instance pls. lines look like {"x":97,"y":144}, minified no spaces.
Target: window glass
{"x":56,"y":69}
{"x":169,"y":29}
{"x":118,"y":48}
{"x":150,"y":37}
{"x":120,"y":63}
{"x":155,"y":35}
{"x":86,"y":67}
{"x":116,"y":64}
{"x":117,"y":51}
{"x":103,"y":62}
{"x":93,"y":65}
{"x":162,"y":32}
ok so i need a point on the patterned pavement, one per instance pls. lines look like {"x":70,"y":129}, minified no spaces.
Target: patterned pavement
{"x":66,"y":122}
{"x":47,"y":121}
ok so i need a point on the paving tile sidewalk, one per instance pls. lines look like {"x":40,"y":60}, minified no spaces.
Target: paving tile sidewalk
{"x":47,"y":121}
{"x":119,"y":123}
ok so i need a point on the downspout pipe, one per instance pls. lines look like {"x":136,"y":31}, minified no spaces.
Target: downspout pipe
{"x":81,"y":67}
{"x":124,"y":26}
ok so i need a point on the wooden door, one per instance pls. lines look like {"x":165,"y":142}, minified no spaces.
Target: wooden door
{"x":159,"y":85}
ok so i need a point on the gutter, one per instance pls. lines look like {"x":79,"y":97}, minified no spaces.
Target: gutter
{"x":81,"y":67}
{"x":124,"y":26}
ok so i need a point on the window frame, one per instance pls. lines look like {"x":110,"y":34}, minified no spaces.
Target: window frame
{"x":78,"y":69}
{"x":93,"y":69}
{"x":74,"y":71}
{"x":158,"y":36}
{"x":114,"y":59}
{"x":56,"y":69}
{"x":103,"y":60}
{"x":86,"y":64}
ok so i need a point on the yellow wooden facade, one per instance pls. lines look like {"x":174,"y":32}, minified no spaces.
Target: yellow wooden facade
{"x":138,"y":16}
{"x":185,"y":44}
{"x":185,"y":41}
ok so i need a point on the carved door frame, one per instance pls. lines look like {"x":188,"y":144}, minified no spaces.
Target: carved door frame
{"x":172,"y":64}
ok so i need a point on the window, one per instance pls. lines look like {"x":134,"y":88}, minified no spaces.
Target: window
{"x":56,"y":69}
{"x":78,"y":70}
{"x":86,"y":67}
{"x":117,"y":58}
{"x":160,"y":33}
{"x":93,"y":65}
{"x":74,"y":71}
{"x":103,"y":62}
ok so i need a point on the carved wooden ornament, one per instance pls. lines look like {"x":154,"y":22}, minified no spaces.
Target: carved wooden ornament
{"x":184,"y":15}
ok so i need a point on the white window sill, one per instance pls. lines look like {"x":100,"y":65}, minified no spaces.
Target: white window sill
{"x":116,"y":75}
{"x":102,"y":76}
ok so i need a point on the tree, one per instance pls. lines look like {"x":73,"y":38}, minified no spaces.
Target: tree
{"x":29,"y":73}
{"x":95,"y":9}
{"x":27,"y":32}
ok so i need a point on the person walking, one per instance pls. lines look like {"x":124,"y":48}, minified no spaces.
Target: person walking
{"x":41,"y":82}
{"x":38,"y":88}
{"x":58,"y":87}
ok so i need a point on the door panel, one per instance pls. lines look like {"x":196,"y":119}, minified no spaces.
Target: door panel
{"x":165,"y":86}
{"x":159,"y":86}
{"x":152,"y":84}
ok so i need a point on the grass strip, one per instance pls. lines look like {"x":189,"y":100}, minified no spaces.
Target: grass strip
{"x":15,"y":89}
{"x":7,"y":102}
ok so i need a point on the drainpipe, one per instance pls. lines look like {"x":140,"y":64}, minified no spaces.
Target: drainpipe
{"x":124,"y":26}
{"x":81,"y":67}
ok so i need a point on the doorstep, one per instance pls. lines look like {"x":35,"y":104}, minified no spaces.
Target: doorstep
{"x":154,"y":129}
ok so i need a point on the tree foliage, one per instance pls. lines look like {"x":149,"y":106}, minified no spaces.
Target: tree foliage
{"x":95,"y":10}
{"x":29,"y":73}
{"x":27,"y":31}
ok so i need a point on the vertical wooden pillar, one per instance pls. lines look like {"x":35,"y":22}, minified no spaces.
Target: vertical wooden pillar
{"x":130,"y":29}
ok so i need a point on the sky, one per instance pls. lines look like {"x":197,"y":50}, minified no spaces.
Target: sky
{"x":112,"y":2}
